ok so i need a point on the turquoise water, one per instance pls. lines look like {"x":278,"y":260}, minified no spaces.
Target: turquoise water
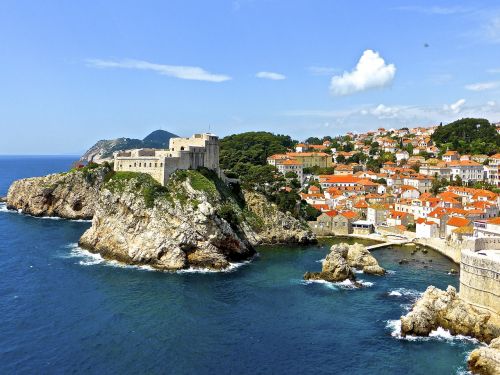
{"x":64,"y":310}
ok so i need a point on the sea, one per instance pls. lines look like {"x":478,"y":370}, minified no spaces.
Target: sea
{"x":64,"y":310}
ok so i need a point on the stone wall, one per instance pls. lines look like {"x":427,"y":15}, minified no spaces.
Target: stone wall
{"x":480,"y":280}
{"x":440,"y":245}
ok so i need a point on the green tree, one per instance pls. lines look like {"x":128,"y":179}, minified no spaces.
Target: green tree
{"x":468,"y":135}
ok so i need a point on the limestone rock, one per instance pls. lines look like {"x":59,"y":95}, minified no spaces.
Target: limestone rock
{"x":335,"y":267}
{"x":486,"y":360}
{"x":139,"y":222}
{"x":71,"y":195}
{"x":359,"y":257}
{"x":439,"y":308}
{"x":274,"y":226}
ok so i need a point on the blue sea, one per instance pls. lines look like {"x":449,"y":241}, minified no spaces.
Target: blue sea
{"x":64,"y":310}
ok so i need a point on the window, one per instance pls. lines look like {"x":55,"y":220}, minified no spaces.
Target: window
{"x":134,"y":164}
{"x":149,"y":165}
{"x":156,"y":164}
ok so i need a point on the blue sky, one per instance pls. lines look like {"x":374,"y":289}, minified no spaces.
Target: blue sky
{"x":75,"y":72}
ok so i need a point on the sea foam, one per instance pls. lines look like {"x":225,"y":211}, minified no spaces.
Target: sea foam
{"x":403,"y":292}
{"x":438,"y":334}
{"x":346,"y":284}
{"x":87,"y":258}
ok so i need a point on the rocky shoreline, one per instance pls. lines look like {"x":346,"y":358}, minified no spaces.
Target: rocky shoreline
{"x":71,"y":195}
{"x":343,"y":259}
{"x":438,"y":308}
{"x":195,"y":221}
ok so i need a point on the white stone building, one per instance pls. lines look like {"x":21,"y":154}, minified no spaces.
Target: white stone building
{"x":200,"y":150}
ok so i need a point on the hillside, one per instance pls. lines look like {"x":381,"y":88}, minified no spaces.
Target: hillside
{"x":252,"y":148}
{"x":104,"y":149}
{"x":468,"y":136}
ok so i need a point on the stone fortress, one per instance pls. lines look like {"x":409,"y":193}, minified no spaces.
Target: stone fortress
{"x":199,"y":150}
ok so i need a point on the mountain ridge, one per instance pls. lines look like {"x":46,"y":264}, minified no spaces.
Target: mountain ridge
{"x":103,"y":149}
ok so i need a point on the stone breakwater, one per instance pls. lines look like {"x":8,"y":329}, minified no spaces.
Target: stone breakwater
{"x":71,"y":195}
{"x":340,"y":263}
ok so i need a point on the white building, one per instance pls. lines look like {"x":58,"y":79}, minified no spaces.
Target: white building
{"x":469,"y":171}
{"x":200,"y":150}
{"x":426,"y":229}
{"x":291,"y":165}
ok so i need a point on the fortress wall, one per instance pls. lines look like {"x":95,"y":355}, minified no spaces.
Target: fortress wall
{"x":480,"y":280}
{"x":152,"y":166}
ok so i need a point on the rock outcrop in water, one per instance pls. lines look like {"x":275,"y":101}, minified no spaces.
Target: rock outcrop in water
{"x":439,"y":308}
{"x":360,"y":258}
{"x":71,"y":195}
{"x":486,"y":360}
{"x":194,"y":221}
{"x":340,"y":263}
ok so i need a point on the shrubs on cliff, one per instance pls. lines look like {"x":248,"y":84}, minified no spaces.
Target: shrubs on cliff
{"x":143,"y":183}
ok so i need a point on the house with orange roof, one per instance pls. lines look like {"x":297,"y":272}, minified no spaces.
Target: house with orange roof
{"x":455,"y":222}
{"x":327,"y":181}
{"x":408,"y":192}
{"x":343,"y":169}
{"x":419,"y":181}
{"x":469,"y":171}
{"x":313,"y":189}
{"x":450,"y":156}
{"x":331,"y":223}
{"x":395,"y":218}
{"x":426,"y":228}
{"x":312,"y":159}
{"x":285,"y":166}
{"x":495,"y":159}
{"x":377,"y":214}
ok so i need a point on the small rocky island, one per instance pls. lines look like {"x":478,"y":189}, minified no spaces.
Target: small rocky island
{"x":196,"y":220}
{"x":340,"y":263}
{"x":439,"y":308}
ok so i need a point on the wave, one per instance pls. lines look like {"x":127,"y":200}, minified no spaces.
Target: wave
{"x":3,"y":208}
{"x":346,"y":284}
{"x":400,"y":292}
{"x":440,"y":334}
{"x":88,"y":258}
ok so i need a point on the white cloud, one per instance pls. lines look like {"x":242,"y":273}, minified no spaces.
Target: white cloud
{"x":371,"y":71}
{"x":182,"y":72}
{"x":366,"y":117}
{"x":491,"y":30}
{"x":482,"y":86}
{"x":270,"y":75}
{"x":439,"y":10}
{"x":382,"y":111}
{"x":455,"y":107}
{"x":322,"y":70}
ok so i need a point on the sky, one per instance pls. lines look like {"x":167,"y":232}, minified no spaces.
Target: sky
{"x":72,"y":73}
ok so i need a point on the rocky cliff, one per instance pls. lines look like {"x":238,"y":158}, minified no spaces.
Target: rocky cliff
{"x":195,"y":220}
{"x":340,"y":263}
{"x":486,"y":360}
{"x":439,"y":308}
{"x":71,"y":195}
